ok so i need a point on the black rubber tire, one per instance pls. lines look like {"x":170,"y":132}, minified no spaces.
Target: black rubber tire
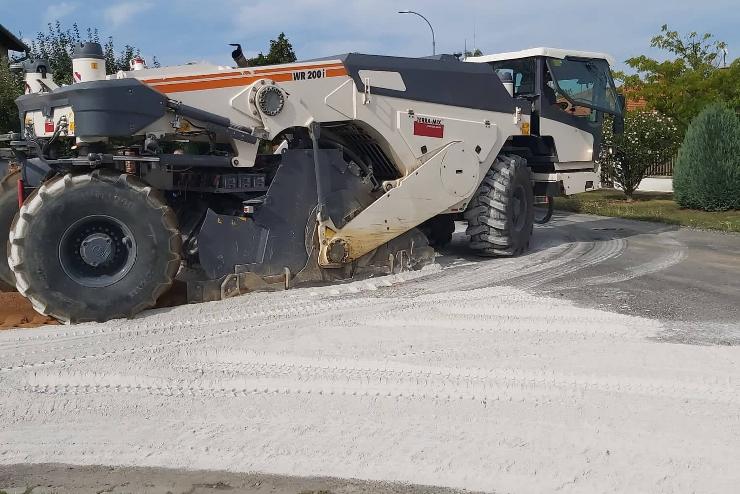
{"x":493,"y":225}
{"x":8,"y":210}
{"x":547,"y":216}
{"x":39,"y":229}
{"x":439,"y":229}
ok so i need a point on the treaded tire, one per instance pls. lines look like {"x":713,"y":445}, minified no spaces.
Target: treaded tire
{"x":501,"y":214}
{"x":37,"y":239}
{"x":8,"y":210}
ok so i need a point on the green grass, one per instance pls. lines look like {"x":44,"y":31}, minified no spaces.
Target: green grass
{"x":648,"y":206}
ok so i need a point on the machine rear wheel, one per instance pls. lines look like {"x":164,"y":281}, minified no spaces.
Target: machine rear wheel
{"x":94,"y":247}
{"x":8,"y":210}
{"x":501,"y":214}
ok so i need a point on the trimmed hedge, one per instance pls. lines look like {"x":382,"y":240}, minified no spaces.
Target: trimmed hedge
{"x":707,"y":172}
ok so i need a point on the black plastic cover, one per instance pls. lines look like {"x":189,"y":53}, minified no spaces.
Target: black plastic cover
{"x":443,"y":81}
{"x":89,"y":49}
{"x":110,"y":108}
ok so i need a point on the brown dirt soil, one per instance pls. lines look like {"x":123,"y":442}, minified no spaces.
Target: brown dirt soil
{"x":17,"y":312}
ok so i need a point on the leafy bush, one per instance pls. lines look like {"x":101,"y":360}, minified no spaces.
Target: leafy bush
{"x":281,"y":51}
{"x":707,"y":172}
{"x":10,"y":89}
{"x":56,"y":46}
{"x":649,"y":138}
{"x":691,"y":74}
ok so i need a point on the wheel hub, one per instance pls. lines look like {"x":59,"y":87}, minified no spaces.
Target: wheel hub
{"x":97,"y":251}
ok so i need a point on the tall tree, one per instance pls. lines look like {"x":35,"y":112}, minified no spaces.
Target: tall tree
{"x":689,"y":80}
{"x":281,"y":51}
{"x":56,"y":45}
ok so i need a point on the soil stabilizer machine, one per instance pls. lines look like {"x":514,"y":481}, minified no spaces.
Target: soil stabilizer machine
{"x":250,"y":178}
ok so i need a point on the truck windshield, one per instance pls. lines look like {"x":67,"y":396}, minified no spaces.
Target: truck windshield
{"x":585,"y":82}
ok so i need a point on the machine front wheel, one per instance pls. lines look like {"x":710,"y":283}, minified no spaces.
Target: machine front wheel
{"x":501,"y":214}
{"x":94,"y":247}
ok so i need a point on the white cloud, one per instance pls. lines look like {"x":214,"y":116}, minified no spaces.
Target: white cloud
{"x":119,"y":14}
{"x":57,"y":11}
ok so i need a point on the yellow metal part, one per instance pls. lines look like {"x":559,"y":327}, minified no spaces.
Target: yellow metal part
{"x":420,"y":195}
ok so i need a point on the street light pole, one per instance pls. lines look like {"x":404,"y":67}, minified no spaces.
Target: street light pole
{"x":434,"y":45}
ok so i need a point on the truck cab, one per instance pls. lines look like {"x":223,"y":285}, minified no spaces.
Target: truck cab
{"x":570,"y":93}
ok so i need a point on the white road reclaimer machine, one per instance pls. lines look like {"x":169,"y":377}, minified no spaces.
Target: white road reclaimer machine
{"x":236,"y":179}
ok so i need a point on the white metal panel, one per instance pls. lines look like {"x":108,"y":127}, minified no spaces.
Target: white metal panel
{"x":572,"y":144}
{"x":576,"y":182}
{"x":460,"y":171}
{"x":471,"y":132}
{"x":344,"y":99}
{"x":417,"y":198}
{"x":541,"y":52}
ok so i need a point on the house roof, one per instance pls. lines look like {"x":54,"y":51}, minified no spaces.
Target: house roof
{"x":11,"y":41}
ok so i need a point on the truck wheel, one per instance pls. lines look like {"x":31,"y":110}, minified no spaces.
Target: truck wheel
{"x":94,"y":247}
{"x":8,"y":210}
{"x":439,"y":229}
{"x":501,"y":213}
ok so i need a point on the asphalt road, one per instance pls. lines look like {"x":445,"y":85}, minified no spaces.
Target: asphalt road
{"x":686,"y":281}
{"x":689,"y":279}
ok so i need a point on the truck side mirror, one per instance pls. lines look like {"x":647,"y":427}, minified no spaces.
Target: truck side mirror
{"x":618,"y":126}
{"x":622,"y":103}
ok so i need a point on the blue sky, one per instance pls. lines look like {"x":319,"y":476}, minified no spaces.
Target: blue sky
{"x":190,"y":30}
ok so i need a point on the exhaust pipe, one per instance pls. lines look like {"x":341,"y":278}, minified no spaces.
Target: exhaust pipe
{"x":238,"y":56}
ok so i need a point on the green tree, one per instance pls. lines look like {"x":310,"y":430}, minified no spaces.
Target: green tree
{"x":689,"y":80}
{"x":649,"y":138}
{"x":707,"y":172}
{"x":10,"y":89}
{"x":474,"y":53}
{"x":56,"y":46}
{"x":281,"y":51}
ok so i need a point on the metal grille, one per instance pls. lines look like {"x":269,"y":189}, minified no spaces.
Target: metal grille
{"x":364,"y":145}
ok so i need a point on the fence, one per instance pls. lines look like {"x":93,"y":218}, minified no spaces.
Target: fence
{"x":662,"y":170}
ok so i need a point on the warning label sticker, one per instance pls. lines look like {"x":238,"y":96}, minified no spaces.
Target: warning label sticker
{"x":429,"y":127}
